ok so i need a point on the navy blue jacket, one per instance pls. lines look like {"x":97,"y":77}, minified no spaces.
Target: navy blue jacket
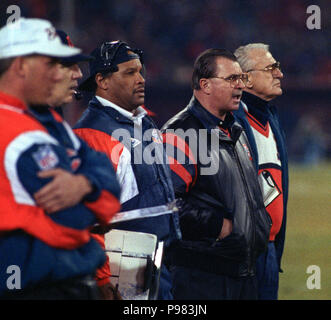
{"x":268,"y":113}
{"x":107,"y":130}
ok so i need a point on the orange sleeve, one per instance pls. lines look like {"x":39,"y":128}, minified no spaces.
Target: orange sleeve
{"x":103,"y":273}
{"x":103,"y":142}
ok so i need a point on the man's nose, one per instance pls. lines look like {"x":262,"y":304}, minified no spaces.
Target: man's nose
{"x":278,"y":73}
{"x":77,"y":72}
{"x":240,"y":84}
{"x":141,"y":78}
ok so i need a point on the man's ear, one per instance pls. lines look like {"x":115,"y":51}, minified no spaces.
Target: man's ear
{"x":20,"y":66}
{"x":205,"y":85}
{"x":101,"y":81}
{"x":250,"y":81}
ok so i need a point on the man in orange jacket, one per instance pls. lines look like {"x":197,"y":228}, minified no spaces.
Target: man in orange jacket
{"x":52,"y":249}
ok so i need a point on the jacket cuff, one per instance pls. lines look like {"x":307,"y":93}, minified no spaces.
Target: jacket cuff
{"x":96,"y":190}
{"x":228,"y":215}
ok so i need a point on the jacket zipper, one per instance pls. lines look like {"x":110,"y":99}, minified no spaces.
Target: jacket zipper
{"x":250,"y":266}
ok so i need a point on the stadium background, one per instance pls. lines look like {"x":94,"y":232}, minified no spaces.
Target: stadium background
{"x":173,"y":32}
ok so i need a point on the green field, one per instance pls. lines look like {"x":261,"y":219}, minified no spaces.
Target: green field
{"x":308,"y":239}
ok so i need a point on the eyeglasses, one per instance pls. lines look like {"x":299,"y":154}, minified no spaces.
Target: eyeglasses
{"x":233,"y":79}
{"x":270,"y":68}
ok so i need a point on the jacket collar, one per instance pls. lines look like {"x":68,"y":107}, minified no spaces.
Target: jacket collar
{"x":141,"y":112}
{"x":6,"y":99}
{"x":113,"y":113}
{"x":257,"y":107}
{"x":209,"y":120}
{"x":117,"y":112}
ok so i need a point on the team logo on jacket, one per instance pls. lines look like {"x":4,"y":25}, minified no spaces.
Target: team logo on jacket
{"x":135,"y":142}
{"x":45,"y":157}
{"x":247,"y":151}
{"x":156,"y":136}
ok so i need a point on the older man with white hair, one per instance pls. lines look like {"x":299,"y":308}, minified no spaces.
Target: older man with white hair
{"x":260,"y":120}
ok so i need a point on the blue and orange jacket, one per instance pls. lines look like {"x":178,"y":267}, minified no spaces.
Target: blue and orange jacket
{"x":143,"y":184}
{"x":268,"y":113}
{"x":48,"y":248}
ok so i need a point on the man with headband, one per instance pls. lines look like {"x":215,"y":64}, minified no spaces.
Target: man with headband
{"x":117,"y":124}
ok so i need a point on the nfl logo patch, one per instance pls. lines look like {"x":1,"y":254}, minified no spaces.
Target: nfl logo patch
{"x":45,"y":157}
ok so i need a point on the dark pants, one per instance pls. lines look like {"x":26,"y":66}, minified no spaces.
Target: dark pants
{"x":165,"y":285}
{"x":267,"y":273}
{"x":193,"y":284}
{"x":80,"y":288}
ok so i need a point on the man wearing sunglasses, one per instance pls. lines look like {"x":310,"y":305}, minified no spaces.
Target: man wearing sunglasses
{"x":222,"y":217}
{"x":261,"y":122}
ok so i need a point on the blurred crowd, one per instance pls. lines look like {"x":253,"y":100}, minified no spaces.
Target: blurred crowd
{"x":173,"y":32}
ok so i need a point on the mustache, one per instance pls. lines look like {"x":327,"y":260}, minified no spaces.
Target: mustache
{"x":237,"y":93}
{"x":139,"y":89}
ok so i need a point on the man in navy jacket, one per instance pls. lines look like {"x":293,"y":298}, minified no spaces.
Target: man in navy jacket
{"x":116,"y":123}
{"x":266,"y":137}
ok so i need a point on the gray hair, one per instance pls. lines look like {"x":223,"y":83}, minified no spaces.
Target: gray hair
{"x":5,"y":64}
{"x":243,"y":55}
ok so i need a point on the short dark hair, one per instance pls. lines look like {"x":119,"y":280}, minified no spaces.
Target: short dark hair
{"x":5,"y":64}
{"x":205,"y":66}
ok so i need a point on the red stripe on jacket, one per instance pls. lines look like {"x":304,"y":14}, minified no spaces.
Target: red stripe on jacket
{"x":105,"y":207}
{"x":258,"y":126}
{"x":103,"y":273}
{"x":36,"y":223}
{"x":180,"y":143}
{"x":176,"y":167}
{"x":56,"y":116}
{"x":103,"y":142}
